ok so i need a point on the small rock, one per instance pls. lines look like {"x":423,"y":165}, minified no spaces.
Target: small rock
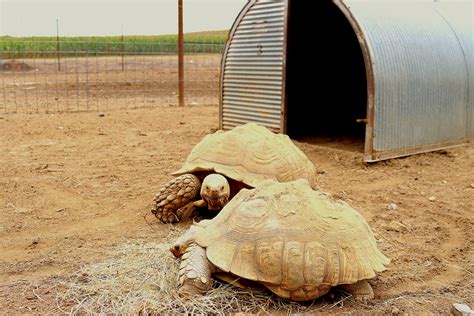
{"x":462,"y":310}
{"x":472,"y":185}
{"x":396,"y":226}
{"x":33,"y":243}
{"x":432,"y":198}
{"x":392,"y":206}
{"x":101,"y":114}
{"x":444,"y":182}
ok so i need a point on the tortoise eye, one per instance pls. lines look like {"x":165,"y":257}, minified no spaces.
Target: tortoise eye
{"x":222,"y":187}
{"x":207,"y":187}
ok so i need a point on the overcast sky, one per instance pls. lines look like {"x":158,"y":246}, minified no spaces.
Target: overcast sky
{"x":106,"y":17}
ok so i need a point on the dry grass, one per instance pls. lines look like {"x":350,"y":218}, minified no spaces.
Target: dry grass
{"x":141,"y":278}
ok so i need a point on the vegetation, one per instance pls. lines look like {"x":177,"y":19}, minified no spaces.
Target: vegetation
{"x":195,"y":43}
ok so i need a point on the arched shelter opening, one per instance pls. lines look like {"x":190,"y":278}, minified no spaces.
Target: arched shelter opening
{"x":326,"y":85}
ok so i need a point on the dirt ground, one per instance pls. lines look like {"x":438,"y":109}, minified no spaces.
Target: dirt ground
{"x":74,"y":185}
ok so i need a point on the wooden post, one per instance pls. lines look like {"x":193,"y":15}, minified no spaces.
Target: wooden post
{"x":180,"y":53}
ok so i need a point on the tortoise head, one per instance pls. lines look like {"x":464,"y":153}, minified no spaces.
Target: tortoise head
{"x":215,"y":190}
{"x":181,"y":244}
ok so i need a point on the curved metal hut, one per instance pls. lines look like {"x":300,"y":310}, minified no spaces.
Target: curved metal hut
{"x":396,"y":76}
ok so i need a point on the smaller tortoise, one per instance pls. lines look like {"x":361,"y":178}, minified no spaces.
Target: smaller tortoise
{"x":225,"y":162}
{"x":295,"y":241}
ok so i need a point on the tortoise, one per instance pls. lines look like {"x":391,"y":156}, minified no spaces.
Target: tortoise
{"x":286,"y":237}
{"x":225,"y":162}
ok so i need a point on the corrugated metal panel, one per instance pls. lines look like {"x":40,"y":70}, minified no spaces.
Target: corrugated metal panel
{"x":253,"y":67}
{"x":420,"y":73}
{"x":460,"y":17}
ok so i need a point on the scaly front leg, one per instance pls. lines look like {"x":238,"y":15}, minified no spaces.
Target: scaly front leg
{"x":194,"y":272}
{"x":174,"y":201}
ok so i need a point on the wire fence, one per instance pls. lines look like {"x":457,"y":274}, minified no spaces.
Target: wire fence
{"x":99,"y":76}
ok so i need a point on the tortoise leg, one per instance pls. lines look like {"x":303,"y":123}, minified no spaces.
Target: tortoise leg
{"x":176,"y":195}
{"x":187,"y":211}
{"x":180,"y":246}
{"x":361,"y":291}
{"x":194,"y":272}
{"x":200,"y":203}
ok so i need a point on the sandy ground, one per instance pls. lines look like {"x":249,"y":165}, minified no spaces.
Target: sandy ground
{"x":73,"y":186}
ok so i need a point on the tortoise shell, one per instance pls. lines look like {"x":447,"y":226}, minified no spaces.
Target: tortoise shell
{"x":296,"y":241}
{"x":250,"y":154}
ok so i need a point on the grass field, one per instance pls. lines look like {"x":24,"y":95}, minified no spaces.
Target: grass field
{"x":24,"y":47}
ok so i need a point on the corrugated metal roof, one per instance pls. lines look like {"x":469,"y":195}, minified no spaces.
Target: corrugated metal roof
{"x":420,"y":74}
{"x":460,"y":17}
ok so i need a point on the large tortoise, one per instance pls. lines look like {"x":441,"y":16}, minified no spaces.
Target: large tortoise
{"x":293,"y":240}
{"x":227,"y":161}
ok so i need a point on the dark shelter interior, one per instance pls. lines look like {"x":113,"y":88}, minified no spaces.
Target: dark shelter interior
{"x":326,"y":86}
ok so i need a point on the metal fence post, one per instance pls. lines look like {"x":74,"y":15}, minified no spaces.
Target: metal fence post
{"x":58,"y":49}
{"x":123,"y":51}
{"x":180,"y":53}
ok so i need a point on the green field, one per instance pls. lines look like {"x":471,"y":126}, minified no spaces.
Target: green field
{"x":195,"y":43}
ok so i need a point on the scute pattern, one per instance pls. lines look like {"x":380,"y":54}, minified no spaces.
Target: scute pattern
{"x":250,"y":154}
{"x":313,"y":245}
{"x":186,"y":188}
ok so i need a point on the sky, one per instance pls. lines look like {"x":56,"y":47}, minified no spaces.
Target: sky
{"x":110,"y":17}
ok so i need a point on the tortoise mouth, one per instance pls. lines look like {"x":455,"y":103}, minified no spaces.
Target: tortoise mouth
{"x":216,"y":203}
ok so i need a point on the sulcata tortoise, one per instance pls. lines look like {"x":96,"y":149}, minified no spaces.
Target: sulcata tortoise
{"x":293,"y":240}
{"x":225,"y":162}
